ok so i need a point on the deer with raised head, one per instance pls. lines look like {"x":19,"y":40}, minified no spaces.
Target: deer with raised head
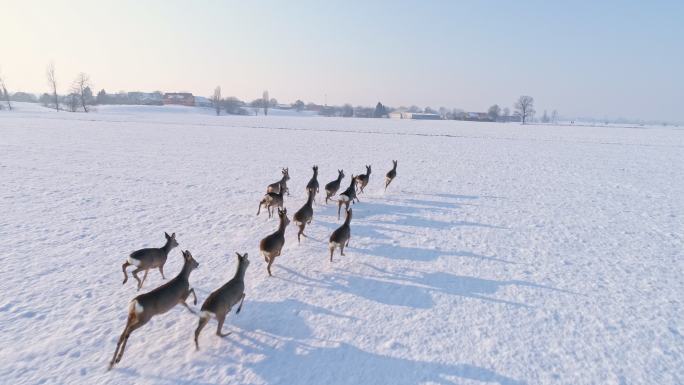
{"x":158,"y":301}
{"x":347,"y":196}
{"x":391,"y":174}
{"x":362,"y":179}
{"x":146,"y":259}
{"x":304,"y":216}
{"x":340,"y":237}
{"x":313,"y":182}
{"x":220,"y":302}
{"x":332,"y":187}
{"x":272,"y":245}
{"x":281,"y":185}
{"x":270,"y":200}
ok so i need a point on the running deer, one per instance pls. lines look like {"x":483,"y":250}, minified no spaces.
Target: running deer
{"x":272,"y":245}
{"x":362,"y":180}
{"x":281,"y":185}
{"x":220,"y":302}
{"x":304,"y":215}
{"x":340,"y":237}
{"x":346,"y":197}
{"x":313,"y":182}
{"x":271,"y":200}
{"x":158,"y":301}
{"x":332,"y":187}
{"x":147,"y":259}
{"x":391,"y":174}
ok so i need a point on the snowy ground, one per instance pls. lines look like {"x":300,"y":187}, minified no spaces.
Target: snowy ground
{"x":501,"y":254}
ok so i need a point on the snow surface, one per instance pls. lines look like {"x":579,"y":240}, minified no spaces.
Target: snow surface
{"x":501,"y":254}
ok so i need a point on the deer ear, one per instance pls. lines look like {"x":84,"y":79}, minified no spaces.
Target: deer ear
{"x":245,"y":256}
{"x":166,"y":235}
{"x":173,"y":235}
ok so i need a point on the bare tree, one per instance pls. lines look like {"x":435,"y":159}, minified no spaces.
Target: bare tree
{"x":216,"y":100}
{"x":52,"y":83}
{"x":81,"y":88}
{"x":494,"y":112}
{"x":265,"y":101}
{"x":524,"y":107}
{"x":3,"y":92}
{"x":299,"y":105}
{"x":554,"y":117}
{"x":507,"y":114}
{"x":72,"y":102}
{"x":545,"y":118}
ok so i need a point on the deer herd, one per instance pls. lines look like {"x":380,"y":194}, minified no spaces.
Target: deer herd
{"x":220,"y":302}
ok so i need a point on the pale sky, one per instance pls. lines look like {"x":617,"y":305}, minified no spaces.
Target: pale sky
{"x":586,"y":58}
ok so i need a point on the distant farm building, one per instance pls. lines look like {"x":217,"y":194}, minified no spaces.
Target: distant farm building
{"x":201,"y":101}
{"x":414,"y":115}
{"x":477,"y":116}
{"x":145,"y":98}
{"x":179,"y":98}
{"x":425,"y":116}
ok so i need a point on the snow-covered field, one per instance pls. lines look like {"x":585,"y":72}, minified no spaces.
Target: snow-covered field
{"x":501,"y":254}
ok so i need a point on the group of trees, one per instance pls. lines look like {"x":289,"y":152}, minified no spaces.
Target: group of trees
{"x":80,"y":94}
{"x":234,"y":106}
{"x":523,"y":111}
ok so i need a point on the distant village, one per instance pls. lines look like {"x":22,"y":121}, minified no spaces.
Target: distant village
{"x":233,"y":106}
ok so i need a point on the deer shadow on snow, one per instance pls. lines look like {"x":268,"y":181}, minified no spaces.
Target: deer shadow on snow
{"x":415,"y":290}
{"x":298,"y":363}
{"x":291,"y":355}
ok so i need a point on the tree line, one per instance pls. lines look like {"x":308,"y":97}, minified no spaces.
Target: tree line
{"x":80,"y":97}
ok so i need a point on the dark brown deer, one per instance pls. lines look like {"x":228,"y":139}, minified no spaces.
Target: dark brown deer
{"x":362,"y":180}
{"x":220,"y":302}
{"x":340,"y":237}
{"x":281,"y":185}
{"x":158,"y":301}
{"x":146,"y":259}
{"x":313,"y":182}
{"x":332,"y":187}
{"x":304,"y":216}
{"x":271,"y":200}
{"x":391,"y":174}
{"x":272,"y":245}
{"x":347,"y":196}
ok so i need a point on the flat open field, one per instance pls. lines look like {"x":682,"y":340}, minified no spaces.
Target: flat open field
{"x":501,"y":254}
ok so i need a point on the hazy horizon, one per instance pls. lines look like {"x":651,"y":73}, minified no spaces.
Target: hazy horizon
{"x":614,"y":59}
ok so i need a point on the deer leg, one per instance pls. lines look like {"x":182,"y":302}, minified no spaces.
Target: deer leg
{"x":270,"y":213}
{"x":123,"y":345}
{"x":342,"y":249}
{"x":259,"y":209}
{"x":143,"y":280}
{"x":339,"y":207}
{"x":268,"y":267}
{"x":123,"y":267}
{"x":332,"y":250}
{"x":194,"y":296}
{"x":118,"y":347}
{"x":185,"y":297}
{"x":301,"y":232}
{"x":202,"y":323}
{"x":242,"y":299}
{"x":135,"y":275}
{"x":220,"y":326}
{"x":188,"y":307}
{"x":161,"y":270}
